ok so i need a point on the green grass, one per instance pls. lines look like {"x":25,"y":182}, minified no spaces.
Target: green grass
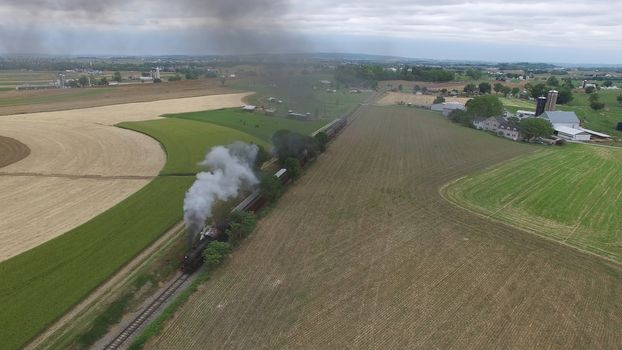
{"x":40,"y":285}
{"x":187,"y":141}
{"x":604,"y":120}
{"x":66,"y":95}
{"x":570,"y":194}
{"x":254,"y":124}
{"x":43,"y":283}
{"x":298,"y":94}
{"x":7,"y":88}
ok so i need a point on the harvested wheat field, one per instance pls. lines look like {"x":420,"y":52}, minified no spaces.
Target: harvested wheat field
{"x":11,"y":151}
{"x":80,"y":165}
{"x":32,"y":101}
{"x":363,"y":252}
{"x":393,"y":98}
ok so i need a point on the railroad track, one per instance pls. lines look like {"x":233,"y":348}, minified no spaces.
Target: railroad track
{"x":120,"y":339}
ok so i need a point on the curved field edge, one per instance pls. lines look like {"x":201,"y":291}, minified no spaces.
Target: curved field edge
{"x":186,"y":141}
{"x":569,"y":195}
{"x":42,"y":284}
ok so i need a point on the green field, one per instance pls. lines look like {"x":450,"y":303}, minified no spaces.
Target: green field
{"x":604,"y":120}
{"x":186,"y":141}
{"x":302,"y":93}
{"x":571,"y":194}
{"x":254,"y":124}
{"x":41,"y":284}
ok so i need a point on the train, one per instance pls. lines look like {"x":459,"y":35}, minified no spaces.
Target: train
{"x":193,"y":259}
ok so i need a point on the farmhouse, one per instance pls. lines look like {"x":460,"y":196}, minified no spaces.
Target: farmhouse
{"x":499,"y":126}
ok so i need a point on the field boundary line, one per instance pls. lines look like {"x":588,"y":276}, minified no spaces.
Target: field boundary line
{"x":449,"y":198}
{"x":86,"y":176}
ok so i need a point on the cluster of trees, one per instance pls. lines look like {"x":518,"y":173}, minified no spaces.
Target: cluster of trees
{"x":290,"y":144}
{"x":478,"y":107}
{"x":595,"y":102}
{"x":532,"y":128}
{"x":541,"y":89}
{"x":485,"y":88}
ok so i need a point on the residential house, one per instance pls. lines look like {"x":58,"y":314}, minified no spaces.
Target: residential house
{"x":499,"y":126}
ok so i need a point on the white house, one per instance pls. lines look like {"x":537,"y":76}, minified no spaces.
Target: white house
{"x":571,"y":134}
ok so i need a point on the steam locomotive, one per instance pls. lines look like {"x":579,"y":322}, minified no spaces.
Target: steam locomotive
{"x":193,"y":259}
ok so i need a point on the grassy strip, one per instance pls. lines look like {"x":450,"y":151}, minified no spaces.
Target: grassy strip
{"x":113,"y":314}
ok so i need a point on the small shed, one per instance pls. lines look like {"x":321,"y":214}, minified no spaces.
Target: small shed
{"x":249,"y":108}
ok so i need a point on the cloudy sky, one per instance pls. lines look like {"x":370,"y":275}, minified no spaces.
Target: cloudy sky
{"x":570,"y":31}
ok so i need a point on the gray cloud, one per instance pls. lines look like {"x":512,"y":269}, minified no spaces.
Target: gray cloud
{"x":220,"y":26}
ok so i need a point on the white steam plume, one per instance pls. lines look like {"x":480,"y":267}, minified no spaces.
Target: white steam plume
{"x":231,"y":170}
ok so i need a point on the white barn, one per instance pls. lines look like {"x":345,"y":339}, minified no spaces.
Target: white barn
{"x":571,"y":134}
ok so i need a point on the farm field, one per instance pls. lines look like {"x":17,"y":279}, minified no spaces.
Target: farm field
{"x":363,"y":252}
{"x":14,"y":102}
{"x":187,"y":141}
{"x":12,"y":151}
{"x":604,"y":120}
{"x":254,"y":124}
{"x":571,"y":194}
{"x":76,"y":156}
{"x":41,"y":284}
{"x":393,"y":98}
{"x":300,"y":93}
{"x":107,"y":242}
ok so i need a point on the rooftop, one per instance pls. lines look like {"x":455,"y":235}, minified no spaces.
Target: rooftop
{"x":569,"y":131}
{"x":561,"y":117}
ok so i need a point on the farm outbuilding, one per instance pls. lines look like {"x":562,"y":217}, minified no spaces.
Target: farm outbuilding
{"x":572,"y":134}
{"x":559,"y":118}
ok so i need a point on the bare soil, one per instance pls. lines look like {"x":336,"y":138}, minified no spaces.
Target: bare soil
{"x":363,"y":252}
{"x":12,"y":151}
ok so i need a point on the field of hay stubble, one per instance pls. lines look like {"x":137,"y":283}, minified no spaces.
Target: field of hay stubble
{"x":364,"y":252}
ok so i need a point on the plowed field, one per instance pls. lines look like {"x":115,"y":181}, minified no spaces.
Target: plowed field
{"x":363,"y":252}
{"x":12,"y":151}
